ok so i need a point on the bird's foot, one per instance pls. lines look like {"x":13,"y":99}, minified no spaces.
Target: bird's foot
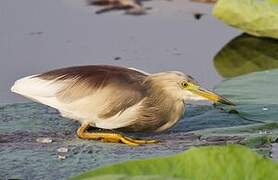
{"x":126,"y":140}
{"x":113,"y":137}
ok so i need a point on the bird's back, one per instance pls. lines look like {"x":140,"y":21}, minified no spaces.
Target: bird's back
{"x":84,"y":92}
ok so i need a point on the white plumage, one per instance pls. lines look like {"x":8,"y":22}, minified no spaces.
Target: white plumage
{"x":83,"y":110}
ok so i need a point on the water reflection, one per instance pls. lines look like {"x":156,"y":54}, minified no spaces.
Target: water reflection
{"x":246,"y":54}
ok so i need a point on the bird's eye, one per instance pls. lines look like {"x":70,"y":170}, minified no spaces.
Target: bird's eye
{"x":184,"y":84}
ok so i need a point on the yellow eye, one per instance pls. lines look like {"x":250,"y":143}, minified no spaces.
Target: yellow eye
{"x":184,"y":84}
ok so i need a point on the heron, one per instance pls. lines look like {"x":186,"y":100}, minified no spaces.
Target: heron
{"x":115,"y":99}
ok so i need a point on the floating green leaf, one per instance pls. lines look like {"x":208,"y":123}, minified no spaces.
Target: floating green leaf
{"x":246,"y":54}
{"x":231,"y":162}
{"x":256,"y":98}
{"x":256,"y":17}
{"x":254,"y":94}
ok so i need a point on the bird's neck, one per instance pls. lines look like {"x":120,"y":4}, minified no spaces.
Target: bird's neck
{"x":162,"y":91}
{"x":168,"y":107}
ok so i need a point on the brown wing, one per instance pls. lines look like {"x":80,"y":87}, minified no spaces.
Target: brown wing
{"x":122,"y":86}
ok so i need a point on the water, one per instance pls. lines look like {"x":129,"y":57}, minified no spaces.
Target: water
{"x":36,"y":36}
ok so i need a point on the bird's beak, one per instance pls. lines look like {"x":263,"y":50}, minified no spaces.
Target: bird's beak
{"x":209,"y":95}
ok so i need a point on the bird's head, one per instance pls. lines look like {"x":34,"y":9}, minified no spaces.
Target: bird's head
{"x":185,"y":87}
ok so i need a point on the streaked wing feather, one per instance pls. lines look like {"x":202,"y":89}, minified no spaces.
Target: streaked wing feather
{"x":121,"y":87}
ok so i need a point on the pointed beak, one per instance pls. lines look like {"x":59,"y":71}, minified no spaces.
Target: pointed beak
{"x":212,"y":96}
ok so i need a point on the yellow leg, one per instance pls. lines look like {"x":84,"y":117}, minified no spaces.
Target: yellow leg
{"x":110,"y":137}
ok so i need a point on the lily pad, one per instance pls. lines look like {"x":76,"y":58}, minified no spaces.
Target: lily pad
{"x":254,"y":94}
{"x":228,"y":162}
{"x":246,"y":54}
{"x":256,"y":17}
{"x":256,"y":98}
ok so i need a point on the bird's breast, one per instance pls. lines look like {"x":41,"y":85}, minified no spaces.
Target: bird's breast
{"x":174,"y":115}
{"x":156,"y":117}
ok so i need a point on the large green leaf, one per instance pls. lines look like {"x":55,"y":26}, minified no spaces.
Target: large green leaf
{"x":256,"y":98}
{"x":257,"y":17}
{"x":246,"y":54}
{"x":231,"y":162}
{"x":255,"y":94}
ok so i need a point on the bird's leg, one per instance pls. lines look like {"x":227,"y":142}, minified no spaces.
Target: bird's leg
{"x":114,"y":137}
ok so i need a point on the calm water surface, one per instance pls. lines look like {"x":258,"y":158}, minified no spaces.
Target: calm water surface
{"x":36,"y":36}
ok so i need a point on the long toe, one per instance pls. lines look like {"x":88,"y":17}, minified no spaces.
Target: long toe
{"x":141,"y":141}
